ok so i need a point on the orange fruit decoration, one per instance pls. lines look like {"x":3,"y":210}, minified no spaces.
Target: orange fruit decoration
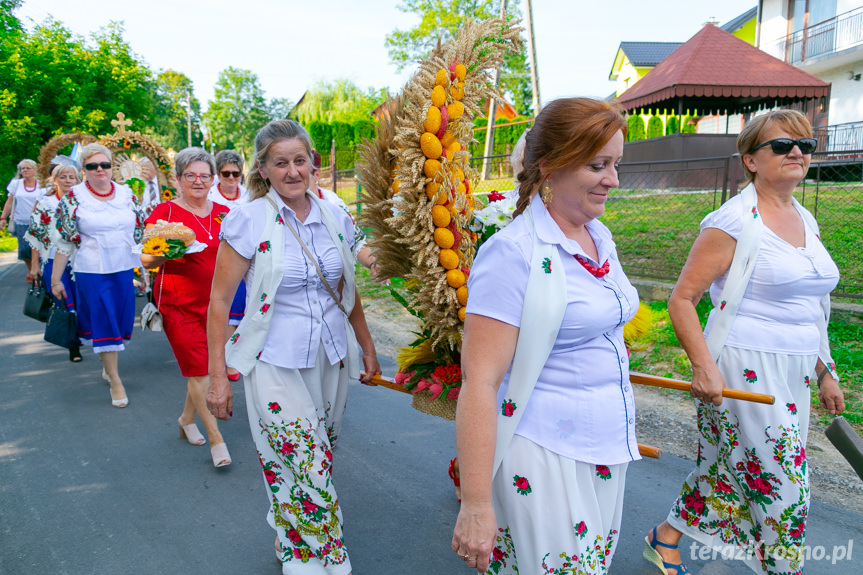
{"x":461,"y":294}
{"x":441,"y":78}
{"x":455,"y":278}
{"x":444,"y":238}
{"x":460,"y":72}
{"x":462,"y":312}
{"x":448,"y":259}
{"x":438,"y":97}
{"x":430,"y":146}
{"x":452,"y":149}
{"x":396,"y":185}
{"x":431,"y":168}
{"x":447,"y":139}
{"x":455,"y":109}
{"x":433,"y":120}
{"x":440,"y":217}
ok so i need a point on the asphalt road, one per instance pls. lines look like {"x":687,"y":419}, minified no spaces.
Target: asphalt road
{"x":87,"y":489}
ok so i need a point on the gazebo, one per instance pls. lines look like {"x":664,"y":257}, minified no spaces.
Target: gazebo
{"x":715,"y":72}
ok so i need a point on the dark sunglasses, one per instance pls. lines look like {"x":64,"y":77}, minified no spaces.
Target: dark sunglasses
{"x":782,"y":146}
{"x":92,"y":167}
{"x":230,"y":174}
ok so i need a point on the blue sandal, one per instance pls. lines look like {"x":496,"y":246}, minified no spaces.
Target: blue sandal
{"x":651,"y":554}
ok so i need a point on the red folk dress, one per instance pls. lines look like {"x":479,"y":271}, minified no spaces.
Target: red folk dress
{"x":182,"y":287}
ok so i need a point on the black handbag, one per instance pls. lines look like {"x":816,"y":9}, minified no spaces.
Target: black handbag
{"x":62,"y":327}
{"x":38,"y":302}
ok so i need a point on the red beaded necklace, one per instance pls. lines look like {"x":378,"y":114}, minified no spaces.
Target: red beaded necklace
{"x":597,"y":272}
{"x":320,"y":193}
{"x":29,"y":190}
{"x":237,"y":195}
{"x":100,"y":194}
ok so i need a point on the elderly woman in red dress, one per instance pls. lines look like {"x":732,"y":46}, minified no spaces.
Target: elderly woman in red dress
{"x":182,"y":291}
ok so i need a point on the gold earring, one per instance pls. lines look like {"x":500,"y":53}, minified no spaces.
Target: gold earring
{"x":545,"y":193}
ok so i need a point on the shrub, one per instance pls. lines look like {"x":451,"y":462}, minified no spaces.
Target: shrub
{"x":671,"y":125}
{"x":688,"y":128}
{"x":636,"y":128}
{"x":322,"y":136}
{"x":363,"y":129}
{"x":654,"y":127}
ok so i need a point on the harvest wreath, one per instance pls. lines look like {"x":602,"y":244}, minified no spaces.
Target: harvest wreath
{"x":417,"y":195}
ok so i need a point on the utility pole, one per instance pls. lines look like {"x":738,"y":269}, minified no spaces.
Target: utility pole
{"x":534,"y":69}
{"x":492,"y":112}
{"x":189,"y":118}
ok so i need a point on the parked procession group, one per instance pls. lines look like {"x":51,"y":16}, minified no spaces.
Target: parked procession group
{"x":256,"y":281}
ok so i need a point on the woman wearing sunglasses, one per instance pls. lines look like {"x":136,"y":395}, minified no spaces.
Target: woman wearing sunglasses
{"x":767,"y":333}
{"x":230,"y":192}
{"x":100,"y":223}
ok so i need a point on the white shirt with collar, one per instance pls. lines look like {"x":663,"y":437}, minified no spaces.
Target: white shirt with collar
{"x":305,"y":316}
{"x":582,"y":406}
{"x":107,"y":231}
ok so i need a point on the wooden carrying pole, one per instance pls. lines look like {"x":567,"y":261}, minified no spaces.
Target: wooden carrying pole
{"x":644,"y":450}
{"x":668,"y":383}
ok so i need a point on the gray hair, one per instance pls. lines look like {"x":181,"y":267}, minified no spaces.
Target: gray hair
{"x":225,"y":157}
{"x":189,"y":155}
{"x":275,"y":131}
{"x":25,"y":162}
{"x":91,"y":150}
{"x":61,"y":168}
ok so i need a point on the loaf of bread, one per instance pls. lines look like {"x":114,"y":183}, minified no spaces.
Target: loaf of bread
{"x":171,"y":231}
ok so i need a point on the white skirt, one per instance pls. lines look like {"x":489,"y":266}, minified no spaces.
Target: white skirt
{"x":295,"y":416}
{"x":749,"y":492}
{"x":554,"y":514}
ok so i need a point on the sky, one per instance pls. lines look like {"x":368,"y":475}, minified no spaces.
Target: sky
{"x":290,"y":45}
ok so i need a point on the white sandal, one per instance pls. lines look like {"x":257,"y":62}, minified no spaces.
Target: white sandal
{"x":190,"y":433}
{"x":219,"y":453}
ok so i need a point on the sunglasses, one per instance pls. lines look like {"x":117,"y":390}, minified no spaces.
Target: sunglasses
{"x":782,"y":146}
{"x":94,"y":166}
{"x":230,"y":174}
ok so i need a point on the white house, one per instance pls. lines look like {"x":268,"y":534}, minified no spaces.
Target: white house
{"x":824,"y":38}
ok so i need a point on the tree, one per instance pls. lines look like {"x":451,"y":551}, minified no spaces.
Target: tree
{"x":170,"y":123}
{"x":9,"y":23}
{"x":440,"y":21}
{"x":52,"y":81}
{"x":238,"y":111}
{"x":279,"y":108}
{"x":339,"y":100}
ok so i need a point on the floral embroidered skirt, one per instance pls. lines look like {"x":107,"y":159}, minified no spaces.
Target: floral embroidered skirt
{"x":554,"y":515}
{"x":749,"y":492}
{"x":295,"y":416}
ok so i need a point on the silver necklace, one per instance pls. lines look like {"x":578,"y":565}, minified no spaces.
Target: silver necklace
{"x":209,"y":227}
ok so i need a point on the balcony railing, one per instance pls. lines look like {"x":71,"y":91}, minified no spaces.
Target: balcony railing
{"x":840,"y":137}
{"x":833,"y":35}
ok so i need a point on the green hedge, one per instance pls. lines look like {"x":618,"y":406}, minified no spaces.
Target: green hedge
{"x":671,"y":125}
{"x":502,"y":135}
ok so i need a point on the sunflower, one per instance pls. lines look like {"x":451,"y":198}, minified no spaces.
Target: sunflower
{"x":127,"y":144}
{"x":155,"y":246}
{"x":167,"y":195}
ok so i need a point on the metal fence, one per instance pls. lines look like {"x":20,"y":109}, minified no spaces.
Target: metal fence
{"x":655,"y":212}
